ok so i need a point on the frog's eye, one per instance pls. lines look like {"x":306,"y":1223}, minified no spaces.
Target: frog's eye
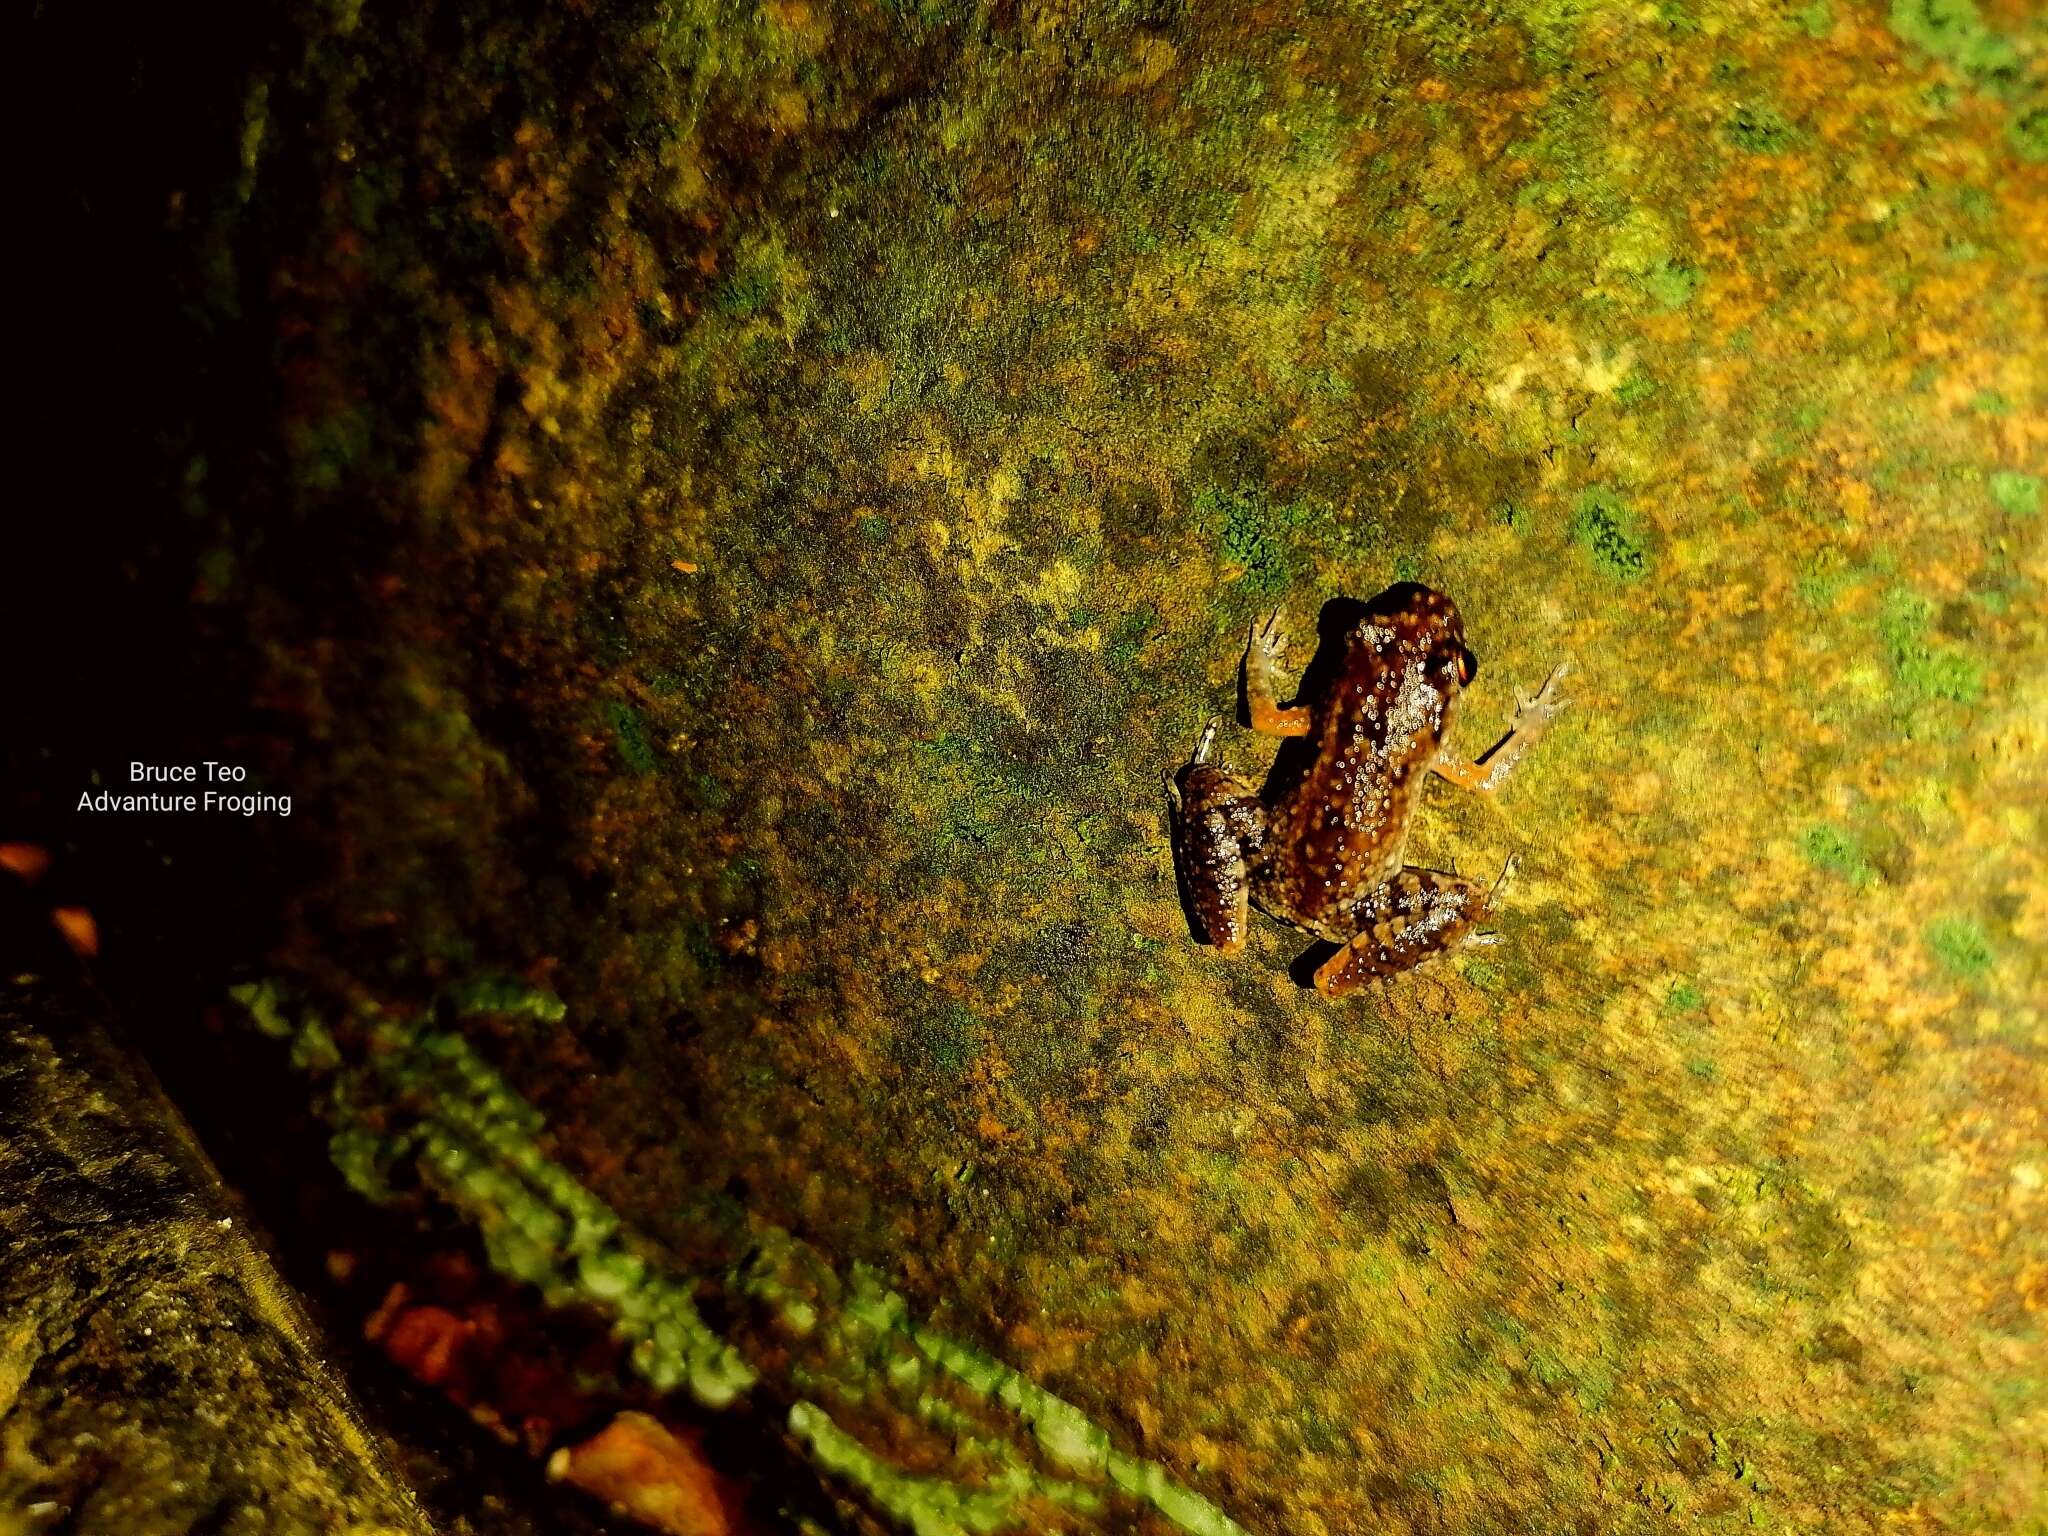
{"x":1468,"y":666}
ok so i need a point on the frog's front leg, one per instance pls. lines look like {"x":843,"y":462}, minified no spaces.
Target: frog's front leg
{"x":1418,"y":914}
{"x":1532,"y":718}
{"x":1261,"y":659}
{"x":1218,"y":825}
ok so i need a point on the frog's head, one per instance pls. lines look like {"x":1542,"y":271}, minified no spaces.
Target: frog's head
{"x":1424,"y":620}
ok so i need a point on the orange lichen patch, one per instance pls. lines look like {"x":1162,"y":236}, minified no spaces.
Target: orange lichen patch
{"x":24,"y":859}
{"x":649,"y":1473}
{"x":687,"y":567}
{"x":79,"y":929}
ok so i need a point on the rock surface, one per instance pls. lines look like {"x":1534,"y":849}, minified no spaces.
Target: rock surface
{"x":156,"y":1377}
{"x":724,"y":512}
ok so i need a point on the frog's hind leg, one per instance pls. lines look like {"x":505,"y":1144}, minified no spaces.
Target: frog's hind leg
{"x":1218,"y":824}
{"x":1418,"y":914}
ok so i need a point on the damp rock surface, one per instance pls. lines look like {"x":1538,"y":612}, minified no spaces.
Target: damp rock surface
{"x":156,"y":1377}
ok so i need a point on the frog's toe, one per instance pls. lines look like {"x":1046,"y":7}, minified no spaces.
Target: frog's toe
{"x":1268,"y":636}
{"x":1542,"y":706}
{"x":1204,"y":742}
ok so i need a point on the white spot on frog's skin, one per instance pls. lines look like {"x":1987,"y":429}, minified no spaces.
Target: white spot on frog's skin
{"x":1416,"y":709}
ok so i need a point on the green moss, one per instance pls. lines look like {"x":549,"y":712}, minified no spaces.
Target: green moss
{"x":495,"y":993}
{"x":364,"y":1160}
{"x":1126,"y":639}
{"x":1817,"y":19}
{"x":2016,"y":493}
{"x":1829,"y":847}
{"x":629,"y":733}
{"x":926,"y":1506}
{"x":255,"y":123}
{"x":326,"y":451}
{"x":1481,"y":974}
{"x":1684,"y":997}
{"x":313,"y":1048}
{"x":1954,"y":32}
{"x":1960,"y":945}
{"x":1925,"y":669}
{"x":1823,"y":577}
{"x":477,"y":1143}
{"x":266,"y":1004}
{"x":1605,"y":527}
{"x":1672,"y":283}
{"x":1759,"y":131}
{"x":744,"y":293}
{"x":2028,"y":134}
{"x":946,"y":1042}
{"x":1252,"y":533}
{"x":1636,"y":388}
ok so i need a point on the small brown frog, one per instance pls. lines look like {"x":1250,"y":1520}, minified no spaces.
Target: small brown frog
{"x":1322,"y":849}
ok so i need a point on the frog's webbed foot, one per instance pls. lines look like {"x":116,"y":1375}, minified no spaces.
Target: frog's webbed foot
{"x":1262,"y":652}
{"x":1481,"y":937}
{"x":1269,"y":639}
{"x":1534,"y":713}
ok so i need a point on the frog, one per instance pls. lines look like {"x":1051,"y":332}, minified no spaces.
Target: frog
{"x":1322,"y":847}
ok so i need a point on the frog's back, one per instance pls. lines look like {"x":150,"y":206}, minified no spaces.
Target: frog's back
{"x":1374,"y":731}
